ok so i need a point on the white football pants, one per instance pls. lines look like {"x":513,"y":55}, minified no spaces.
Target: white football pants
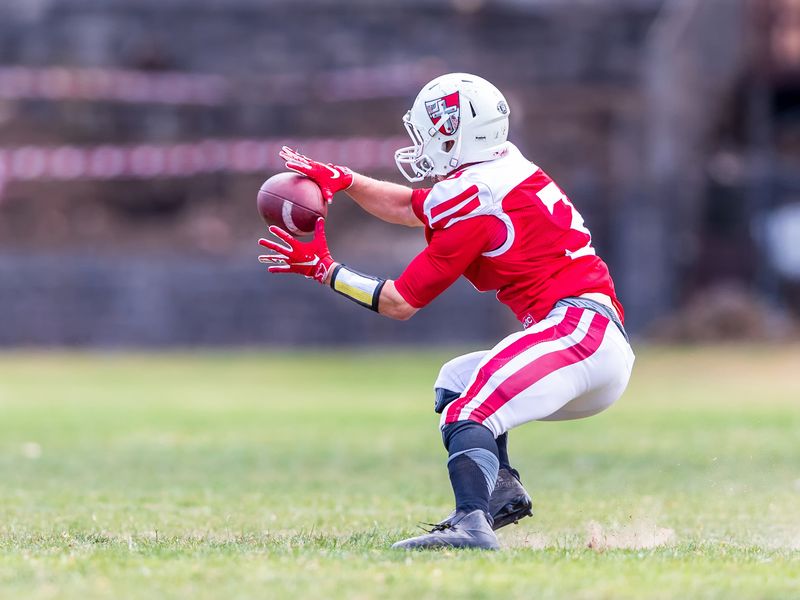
{"x":573,"y":364}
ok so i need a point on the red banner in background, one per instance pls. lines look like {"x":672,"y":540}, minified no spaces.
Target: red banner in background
{"x":70,"y":162}
{"x":145,"y":161}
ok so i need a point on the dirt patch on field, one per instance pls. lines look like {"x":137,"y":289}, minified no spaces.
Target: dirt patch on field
{"x":632,"y":536}
{"x":517,"y":537}
{"x":636,"y":535}
{"x":779,"y":537}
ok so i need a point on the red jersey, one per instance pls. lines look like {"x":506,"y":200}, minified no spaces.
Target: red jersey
{"x":506,"y":226}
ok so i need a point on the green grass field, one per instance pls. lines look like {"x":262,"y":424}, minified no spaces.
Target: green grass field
{"x":255,"y":475}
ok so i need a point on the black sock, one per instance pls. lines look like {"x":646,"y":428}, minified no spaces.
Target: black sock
{"x":469,"y":484}
{"x":502,"y":451}
{"x":473,"y":464}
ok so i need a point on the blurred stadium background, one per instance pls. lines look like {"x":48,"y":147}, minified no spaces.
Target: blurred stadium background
{"x":134,"y":134}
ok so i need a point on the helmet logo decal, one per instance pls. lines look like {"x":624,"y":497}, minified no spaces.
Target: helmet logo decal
{"x":445,"y":113}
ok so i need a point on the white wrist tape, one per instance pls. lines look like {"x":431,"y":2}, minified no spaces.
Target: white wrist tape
{"x":362,"y":289}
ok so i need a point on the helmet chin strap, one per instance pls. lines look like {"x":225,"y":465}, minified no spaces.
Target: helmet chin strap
{"x":455,"y":159}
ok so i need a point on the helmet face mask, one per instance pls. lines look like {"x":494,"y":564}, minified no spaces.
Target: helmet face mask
{"x":411,"y":160}
{"x":456,"y":119}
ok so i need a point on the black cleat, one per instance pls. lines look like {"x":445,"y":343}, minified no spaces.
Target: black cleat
{"x":509,"y":501}
{"x":459,"y":530}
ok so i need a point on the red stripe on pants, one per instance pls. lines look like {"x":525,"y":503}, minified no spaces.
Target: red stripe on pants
{"x":540,"y":368}
{"x":572,"y":317}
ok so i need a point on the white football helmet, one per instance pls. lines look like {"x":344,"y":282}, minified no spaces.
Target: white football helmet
{"x":456,"y":119}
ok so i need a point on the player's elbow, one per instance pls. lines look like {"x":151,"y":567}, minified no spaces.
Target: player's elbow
{"x":406,"y":312}
{"x":393,"y":305}
{"x":401,"y":311}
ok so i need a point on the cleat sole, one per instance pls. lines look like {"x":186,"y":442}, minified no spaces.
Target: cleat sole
{"x":512,"y":512}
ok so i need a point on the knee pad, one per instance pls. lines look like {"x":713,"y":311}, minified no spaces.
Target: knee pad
{"x":453,"y":378}
{"x":443,"y":398}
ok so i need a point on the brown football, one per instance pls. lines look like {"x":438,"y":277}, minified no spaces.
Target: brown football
{"x":292,"y":202}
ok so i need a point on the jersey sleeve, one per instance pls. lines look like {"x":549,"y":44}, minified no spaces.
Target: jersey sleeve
{"x":451,"y":201}
{"x":447,"y":256}
{"x":417,"y":201}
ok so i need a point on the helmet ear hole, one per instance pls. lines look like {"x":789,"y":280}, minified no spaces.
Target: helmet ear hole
{"x":448,"y":145}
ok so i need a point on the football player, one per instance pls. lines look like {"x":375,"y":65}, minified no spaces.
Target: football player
{"x":496,"y":218}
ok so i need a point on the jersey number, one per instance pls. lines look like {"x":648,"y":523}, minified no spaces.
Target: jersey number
{"x":551,"y":195}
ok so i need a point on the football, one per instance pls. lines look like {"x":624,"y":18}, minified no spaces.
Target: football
{"x":292,"y":202}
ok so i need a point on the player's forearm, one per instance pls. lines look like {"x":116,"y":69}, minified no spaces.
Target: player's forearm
{"x":393,"y":305}
{"x":371,"y":292}
{"x":388,"y":201}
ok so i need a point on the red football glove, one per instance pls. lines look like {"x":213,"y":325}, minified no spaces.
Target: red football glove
{"x":310,"y":259}
{"x":330,"y":178}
